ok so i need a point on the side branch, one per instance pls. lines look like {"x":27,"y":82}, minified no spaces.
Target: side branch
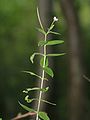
{"x":20,"y":116}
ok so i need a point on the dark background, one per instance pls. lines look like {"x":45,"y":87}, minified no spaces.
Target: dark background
{"x":19,"y":39}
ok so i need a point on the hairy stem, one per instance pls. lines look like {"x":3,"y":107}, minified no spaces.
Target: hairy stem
{"x":42,"y":80}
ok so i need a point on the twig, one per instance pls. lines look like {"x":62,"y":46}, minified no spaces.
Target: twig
{"x":20,"y":116}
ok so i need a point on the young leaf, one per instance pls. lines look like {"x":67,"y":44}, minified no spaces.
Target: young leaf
{"x":48,"y":102}
{"x":31,"y":73}
{"x":49,"y":71}
{"x":55,"y":55}
{"x":28,"y":99}
{"x":36,"y":88}
{"x":42,"y":62}
{"x":56,"y":33}
{"x":40,"y":30}
{"x":39,"y":19}
{"x":33,"y":55}
{"x":43,"y":116}
{"x":54,"y":42}
{"x":27,"y":108}
{"x":41,"y":43}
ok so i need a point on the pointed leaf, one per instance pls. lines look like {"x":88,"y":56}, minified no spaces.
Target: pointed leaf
{"x":33,"y":55}
{"x":49,"y":71}
{"x":28,"y":99}
{"x":54,"y":42}
{"x":41,"y":43}
{"x":48,"y":102}
{"x":39,"y":19}
{"x":55,"y":55}
{"x":43,"y":116}
{"x":36,"y":88}
{"x":40,"y":30}
{"x":56,"y":33}
{"x":42,"y":62}
{"x":31,"y":73}
{"x":27,"y":108}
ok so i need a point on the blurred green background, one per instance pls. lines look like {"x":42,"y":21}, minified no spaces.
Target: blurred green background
{"x":18,"y":40}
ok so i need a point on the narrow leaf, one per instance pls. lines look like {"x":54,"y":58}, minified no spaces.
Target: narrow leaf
{"x":55,"y":55}
{"x":56,"y":33}
{"x":33,"y":55}
{"x":48,"y":102}
{"x":36,"y":88}
{"x":27,"y":108}
{"x":49,"y":71}
{"x":42,"y":62}
{"x":31,"y":73}
{"x":43,"y":116}
{"x":39,"y":19}
{"x":41,"y":43}
{"x":40,"y":30}
{"x":28,"y":99}
{"x":54,"y":42}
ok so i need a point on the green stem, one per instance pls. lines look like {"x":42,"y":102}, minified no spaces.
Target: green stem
{"x":42,"y":81}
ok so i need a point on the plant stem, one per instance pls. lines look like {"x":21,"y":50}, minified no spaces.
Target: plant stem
{"x":42,"y":80}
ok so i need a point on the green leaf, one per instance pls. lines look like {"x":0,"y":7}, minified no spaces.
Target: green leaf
{"x":39,"y":19}
{"x":55,"y":55}
{"x":41,"y":43}
{"x":48,"y":102}
{"x":56,"y":33}
{"x":43,"y":116}
{"x":41,"y":30}
{"x":27,"y":108}
{"x":0,"y":118}
{"x":31,"y":73}
{"x":36,"y":88}
{"x":54,"y":42}
{"x":33,"y":55}
{"x":42,"y":62}
{"x":48,"y":71}
{"x":28,"y":99}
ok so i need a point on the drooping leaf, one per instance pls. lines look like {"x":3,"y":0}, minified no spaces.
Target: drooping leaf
{"x":31,"y":73}
{"x":36,"y":88}
{"x":34,"y":74}
{"x":48,"y":71}
{"x":41,"y":43}
{"x":42,"y":62}
{"x":48,"y":102}
{"x":43,"y":116}
{"x":55,"y":55}
{"x":56,"y":33}
{"x":28,"y":99}
{"x":40,"y":30}
{"x":54,"y":42}
{"x":27,"y":108}
{"x":33,"y":55}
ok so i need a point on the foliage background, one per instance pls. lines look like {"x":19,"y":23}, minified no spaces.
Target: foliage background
{"x":18,"y":40}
